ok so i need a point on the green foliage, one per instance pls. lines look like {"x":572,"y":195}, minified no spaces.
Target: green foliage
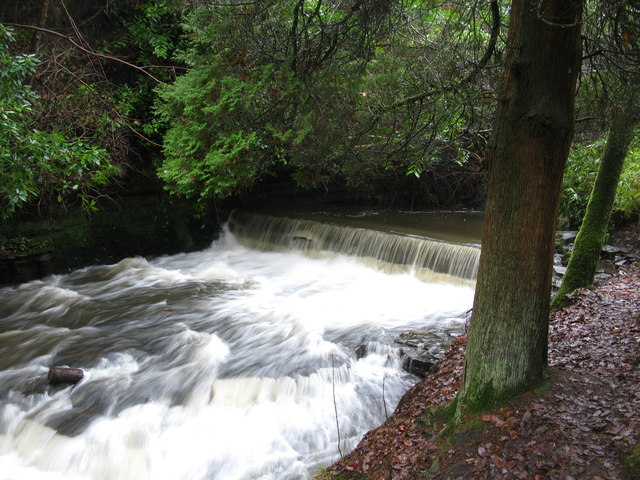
{"x":19,"y":244}
{"x":114,"y":109}
{"x":425,"y":59}
{"x":315,"y":90}
{"x":36,"y":165}
{"x":263,"y":94}
{"x":154,"y":29}
{"x":215,"y":146}
{"x":579,"y":177}
{"x":14,"y":244}
{"x":628,"y":193}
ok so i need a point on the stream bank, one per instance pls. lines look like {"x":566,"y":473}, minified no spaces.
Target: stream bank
{"x":137,"y":220}
{"x":584,"y":424}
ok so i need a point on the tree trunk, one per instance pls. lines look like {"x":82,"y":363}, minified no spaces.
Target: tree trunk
{"x":507,"y":340}
{"x":44,"y":11}
{"x":586,"y":252}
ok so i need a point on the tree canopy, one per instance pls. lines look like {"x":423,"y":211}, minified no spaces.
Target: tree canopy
{"x":322,"y":91}
{"x":218,"y":98}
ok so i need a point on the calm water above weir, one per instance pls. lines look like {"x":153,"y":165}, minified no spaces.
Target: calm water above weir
{"x":236,"y":362}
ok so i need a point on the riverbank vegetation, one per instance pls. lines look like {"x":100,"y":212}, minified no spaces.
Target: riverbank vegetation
{"x":218,"y":100}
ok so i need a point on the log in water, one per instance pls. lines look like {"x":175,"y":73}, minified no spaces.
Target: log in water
{"x":229,"y":363}
{"x":64,"y":375}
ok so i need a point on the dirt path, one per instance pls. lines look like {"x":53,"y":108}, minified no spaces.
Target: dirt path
{"x":581,"y":426}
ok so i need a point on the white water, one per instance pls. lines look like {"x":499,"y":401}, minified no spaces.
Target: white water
{"x":229,"y":363}
{"x":428,"y":259}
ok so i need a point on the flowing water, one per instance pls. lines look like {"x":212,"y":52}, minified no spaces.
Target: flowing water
{"x":235,"y":362}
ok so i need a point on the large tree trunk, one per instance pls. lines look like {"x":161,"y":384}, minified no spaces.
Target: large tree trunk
{"x":507,"y":340}
{"x":586,"y":252}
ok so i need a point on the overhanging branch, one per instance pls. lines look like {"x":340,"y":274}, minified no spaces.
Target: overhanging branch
{"x":482,"y":63}
{"x":85,"y":50}
{"x":491,"y":45}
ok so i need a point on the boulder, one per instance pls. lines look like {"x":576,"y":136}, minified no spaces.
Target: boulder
{"x":416,"y":361}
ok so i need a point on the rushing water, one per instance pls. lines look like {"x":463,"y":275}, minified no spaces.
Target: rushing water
{"x":229,"y":363}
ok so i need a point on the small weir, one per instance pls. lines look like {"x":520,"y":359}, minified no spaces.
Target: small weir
{"x":237,"y":362}
{"x":426,"y":258}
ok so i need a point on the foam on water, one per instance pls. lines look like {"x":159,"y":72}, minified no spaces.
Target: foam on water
{"x":229,"y":363}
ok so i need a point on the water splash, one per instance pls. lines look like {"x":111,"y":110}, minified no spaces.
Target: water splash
{"x":229,"y":363}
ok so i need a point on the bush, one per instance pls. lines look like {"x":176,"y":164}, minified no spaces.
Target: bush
{"x":580,"y":175}
{"x":38,"y":166}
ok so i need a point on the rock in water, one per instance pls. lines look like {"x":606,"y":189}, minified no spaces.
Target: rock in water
{"x":416,"y":361}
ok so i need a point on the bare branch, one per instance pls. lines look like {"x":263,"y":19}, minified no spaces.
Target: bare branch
{"x":84,"y":49}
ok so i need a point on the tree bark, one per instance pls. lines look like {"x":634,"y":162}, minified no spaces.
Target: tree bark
{"x":586,"y":253}
{"x":507,"y":339}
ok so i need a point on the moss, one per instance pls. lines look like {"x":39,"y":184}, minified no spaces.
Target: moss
{"x":452,"y":426}
{"x":487,"y":398}
{"x":472,"y":429}
{"x":432,"y":469}
{"x":632,"y":463}
{"x":456,"y":432}
{"x":482,"y":400}
{"x":584,"y":258}
{"x":442,"y":413}
{"x":544,"y":385}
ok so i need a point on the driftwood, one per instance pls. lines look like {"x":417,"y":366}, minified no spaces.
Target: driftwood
{"x":60,"y":375}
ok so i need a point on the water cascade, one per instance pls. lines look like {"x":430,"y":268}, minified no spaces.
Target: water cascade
{"x":426,"y":258}
{"x":235,"y":362}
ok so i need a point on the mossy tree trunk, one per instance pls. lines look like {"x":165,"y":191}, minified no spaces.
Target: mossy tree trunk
{"x":586,"y":253}
{"x":507,"y":340}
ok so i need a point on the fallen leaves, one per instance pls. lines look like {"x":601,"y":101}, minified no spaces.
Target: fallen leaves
{"x":580,"y":427}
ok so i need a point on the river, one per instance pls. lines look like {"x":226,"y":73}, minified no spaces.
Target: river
{"x":235,"y":362}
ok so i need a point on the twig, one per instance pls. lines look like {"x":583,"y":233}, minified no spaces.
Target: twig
{"x":456,"y":85}
{"x":553,"y":23}
{"x":73,"y":25}
{"x":384,"y":400}
{"x":335,"y":406}
{"x":110,"y":107}
{"x":491,"y":46}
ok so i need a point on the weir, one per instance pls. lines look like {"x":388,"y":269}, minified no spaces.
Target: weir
{"x":426,"y":258}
